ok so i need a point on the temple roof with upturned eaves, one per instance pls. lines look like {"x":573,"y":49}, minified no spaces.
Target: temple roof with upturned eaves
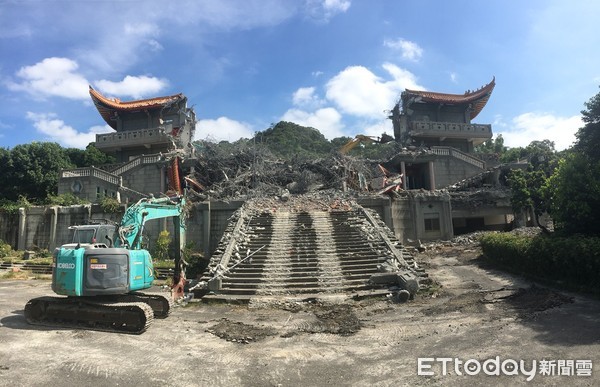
{"x":477,"y":98}
{"x":108,"y":107}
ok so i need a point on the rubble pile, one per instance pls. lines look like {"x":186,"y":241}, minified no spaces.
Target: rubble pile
{"x":246,"y":170}
{"x":327,"y":200}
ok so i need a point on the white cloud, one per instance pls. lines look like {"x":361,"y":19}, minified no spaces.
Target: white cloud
{"x":531,"y":126}
{"x":58,"y":77}
{"x":56,"y":130}
{"x":52,"y":77}
{"x":358,"y":91}
{"x":223,"y":129}
{"x":323,"y":10}
{"x":306,"y":97}
{"x":378,"y":128}
{"x":409,"y":50}
{"x":327,"y":120}
{"x":133,"y":86}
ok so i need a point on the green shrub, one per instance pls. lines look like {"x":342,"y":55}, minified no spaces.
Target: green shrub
{"x":110,"y":205}
{"x":67,"y":199}
{"x":5,"y":249}
{"x":506,"y":249}
{"x":196,"y":262}
{"x":161,"y":248}
{"x":12,"y":207}
{"x":573,"y":261}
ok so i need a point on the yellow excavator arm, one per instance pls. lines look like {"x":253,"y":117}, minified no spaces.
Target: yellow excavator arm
{"x":361,"y":138}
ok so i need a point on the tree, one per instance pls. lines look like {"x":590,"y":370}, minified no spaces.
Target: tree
{"x":588,"y":137}
{"x":575,"y":195}
{"x":574,"y":188}
{"x":529,"y":193}
{"x":492,"y":146}
{"x":289,"y":140}
{"x":33,"y":170}
{"x":542,"y":156}
{"x":91,"y":156}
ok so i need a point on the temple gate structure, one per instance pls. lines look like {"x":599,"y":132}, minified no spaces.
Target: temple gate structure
{"x":144,"y":131}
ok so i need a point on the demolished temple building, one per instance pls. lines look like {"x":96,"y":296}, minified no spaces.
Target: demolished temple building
{"x":434,"y":187}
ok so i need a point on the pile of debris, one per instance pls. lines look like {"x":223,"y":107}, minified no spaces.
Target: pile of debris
{"x":245,"y":170}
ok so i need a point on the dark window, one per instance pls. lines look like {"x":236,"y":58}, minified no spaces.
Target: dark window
{"x":432,"y":224}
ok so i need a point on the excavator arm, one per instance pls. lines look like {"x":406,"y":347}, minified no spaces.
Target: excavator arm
{"x":361,"y":138}
{"x":132,"y":223}
{"x":129,"y":232}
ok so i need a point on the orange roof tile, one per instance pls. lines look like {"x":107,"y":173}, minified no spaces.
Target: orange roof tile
{"x":477,"y":98}
{"x":107,"y":107}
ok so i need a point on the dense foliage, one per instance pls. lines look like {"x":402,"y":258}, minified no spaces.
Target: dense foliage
{"x":495,"y":145}
{"x":31,"y":171}
{"x":574,"y":189}
{"x":573,"y":261}
{"x":567,"y":185}
{"x":290,"y":140}
{"x":161,"y":247}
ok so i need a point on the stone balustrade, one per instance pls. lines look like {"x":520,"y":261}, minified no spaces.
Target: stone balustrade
{"x":451,"y":129}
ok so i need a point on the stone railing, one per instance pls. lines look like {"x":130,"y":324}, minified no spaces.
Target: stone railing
{"x":141,"y":160}
{"x":453,"y":152}
{"x":135,"y":195}
{"x":92,"y":172}
{"x":133,"y":137}
{"x":113,"y":177}
{"x":452,"y":129}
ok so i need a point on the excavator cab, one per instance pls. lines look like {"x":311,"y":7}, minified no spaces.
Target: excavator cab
{"x":89,"y":271}
{"x":91,"y":234}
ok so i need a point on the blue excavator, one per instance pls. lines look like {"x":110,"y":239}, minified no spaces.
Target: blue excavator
{"x":100,"y":282}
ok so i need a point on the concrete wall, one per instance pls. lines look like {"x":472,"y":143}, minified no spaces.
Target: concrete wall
{"x":412,"y":213}
{"x":150,"y":178}
{"x":87,"y":187}
{"x":47,"y":227}
{"x":9,"y":228}
{"x":403,"y":219}
{"x":382,"y":205}
{"x":146,"y":178}
{"x":449,"y":170}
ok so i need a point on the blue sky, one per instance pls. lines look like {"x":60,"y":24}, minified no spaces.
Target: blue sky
{"x":336,"y":65}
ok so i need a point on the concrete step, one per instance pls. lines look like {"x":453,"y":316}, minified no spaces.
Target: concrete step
{"x":306,"y":252}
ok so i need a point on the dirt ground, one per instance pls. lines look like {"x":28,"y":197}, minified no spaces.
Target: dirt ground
{"x":471,"y":312}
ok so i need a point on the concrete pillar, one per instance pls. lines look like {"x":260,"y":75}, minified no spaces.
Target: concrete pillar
{"x":22,"y":239}
{"x":403,"y":171}
{"x":431,"y":177}
{"x":163,"y":178}
{"x":446,"y":219}
{"x":206,"y":230}
{"x":387,"y":215}
{"x":53,"y":224}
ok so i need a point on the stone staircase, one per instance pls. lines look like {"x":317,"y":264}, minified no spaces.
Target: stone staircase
{"x":307,"y":252}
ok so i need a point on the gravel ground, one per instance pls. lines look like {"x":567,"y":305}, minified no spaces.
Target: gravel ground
{"x":470,"y":312}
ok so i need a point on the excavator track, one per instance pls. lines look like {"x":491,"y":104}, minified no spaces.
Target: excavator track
{"x":83,"y":313}
{"x":161,"y":305}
